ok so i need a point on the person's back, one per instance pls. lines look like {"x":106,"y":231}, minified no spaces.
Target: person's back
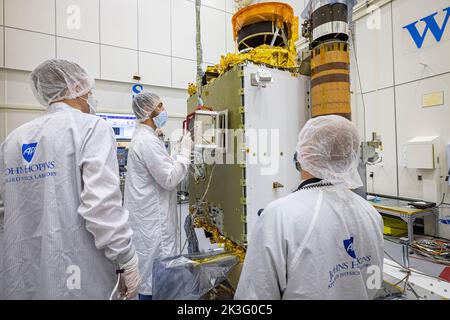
{"x":43,"y":183}
{"x":318,"y":244}
{"x":64,"y":230}
{"x":334,"y":245}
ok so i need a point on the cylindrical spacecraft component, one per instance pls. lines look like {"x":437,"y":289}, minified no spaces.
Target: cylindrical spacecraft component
{"x":264,"y":32}
{"x":269,"y":23}
{"x":329,"y":21}
{"x":330,"y":79}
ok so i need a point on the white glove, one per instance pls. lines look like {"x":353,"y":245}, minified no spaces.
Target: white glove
{"x":131,"y":278}
{"x":186,"y":145}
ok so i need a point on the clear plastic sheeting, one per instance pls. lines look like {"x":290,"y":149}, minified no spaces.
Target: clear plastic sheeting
{"x":313,"y":5}
{"x":190,"y":277}
{"x":191,"y":237}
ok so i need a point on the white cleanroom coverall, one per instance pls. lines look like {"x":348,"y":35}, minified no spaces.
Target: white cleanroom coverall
{"x":322,"y":242}
{"x":151,"y":199}
{"x":64,"y":225}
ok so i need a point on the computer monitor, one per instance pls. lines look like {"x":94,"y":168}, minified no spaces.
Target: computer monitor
{"x":122,"y":156}
{"x":123,"y":125}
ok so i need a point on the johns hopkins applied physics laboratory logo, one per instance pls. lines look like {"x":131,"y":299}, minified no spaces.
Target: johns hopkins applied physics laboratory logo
{"x":30,"y":171}
{"x":348,"y":245}
{"x":28,"y":151}
{"x":354,"y":266}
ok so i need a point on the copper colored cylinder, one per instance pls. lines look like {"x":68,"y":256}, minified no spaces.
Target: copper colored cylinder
{"x":330,"y":80}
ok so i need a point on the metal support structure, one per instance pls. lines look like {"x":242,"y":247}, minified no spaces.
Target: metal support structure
{"x":409,"y":218}
{"x":198,"y":5}
{"x":275,"y":35}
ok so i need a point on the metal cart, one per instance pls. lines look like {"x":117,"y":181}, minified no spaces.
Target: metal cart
{"x":401,"y":209}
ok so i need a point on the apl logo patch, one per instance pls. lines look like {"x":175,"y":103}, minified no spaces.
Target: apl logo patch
{"x":348,"y":245}
{"x":28,"y":151}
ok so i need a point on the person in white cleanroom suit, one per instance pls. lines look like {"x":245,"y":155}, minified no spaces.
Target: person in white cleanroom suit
{"x":322,"y":241}
{"x":65,"y":231}
{"x":150,"y":187}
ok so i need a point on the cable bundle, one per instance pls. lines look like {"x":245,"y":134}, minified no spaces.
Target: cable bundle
{"x":437,"y":250}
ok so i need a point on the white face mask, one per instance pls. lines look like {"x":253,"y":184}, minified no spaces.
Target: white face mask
{"x":92,"y":103}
